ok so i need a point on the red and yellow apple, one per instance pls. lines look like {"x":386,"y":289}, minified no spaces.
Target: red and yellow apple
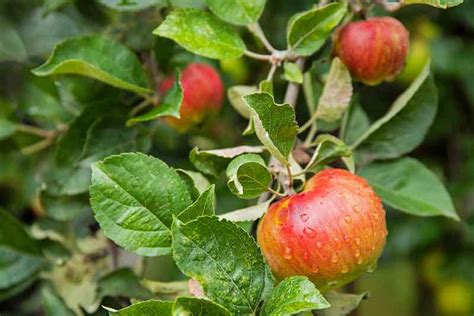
{"x":331,"y":232}
{"x":373,"y":50}
{"x":203,"y":95}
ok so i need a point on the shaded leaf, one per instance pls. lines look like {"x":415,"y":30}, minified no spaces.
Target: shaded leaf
{"x":407,"y":185}
{"x":443,"y":4}
{"x":201,"y":33}
{"x":236,"y":94}
{"x":248,"y":176}
{"x":292,"y":72}
{"x":198,"y":306}
{"x":195,"y":181}
{"x":330,"y":148}
{"x":248,"y":214}
{"x":355,"y":124}
{"x":342,"y":303}
{"x":123,"y":283}
{"x":205,"y":204}
{"x":7,"y":128}
{"x":131,"y":5}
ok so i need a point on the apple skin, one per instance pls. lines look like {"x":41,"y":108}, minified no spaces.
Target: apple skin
{"x":203,"y":95}
{"x":373,"y":50}
{"x":331,"y":232}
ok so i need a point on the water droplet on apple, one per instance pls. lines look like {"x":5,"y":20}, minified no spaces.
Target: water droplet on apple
{"x":345,"y":237}
{"x":305,"y":256}
{"x":304,"y":217}
{"x":344,"y":269}
{"x":309,"y":232}
{"x":356,"y":208}
{"x":359,"y":260}
{"x":334,"y":258}
{"x":319,"y":244}
{"x":347,"y":219}
{"x":357,"y":253}
{"x":357,"y":240}
{"x":287,"y":255}
{"x":372,"y":267}
{"x":314,"y":269}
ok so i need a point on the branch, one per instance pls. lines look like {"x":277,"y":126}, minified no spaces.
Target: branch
{"x":257,"y":55}
{"x":258,"y":32}
{"x":291,"y":95}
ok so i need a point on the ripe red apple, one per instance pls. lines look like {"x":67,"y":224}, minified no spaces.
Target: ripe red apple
{"x":203,"y":94}
{"x":331,"y":232}
{"x":373,"y":50}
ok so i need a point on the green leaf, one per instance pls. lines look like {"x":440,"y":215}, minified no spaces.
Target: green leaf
{"x":90,"y":56}
{"x":63,"y":207}
{"x":239,"y":12}
{"x":307,"y":31}
{"x":53,"y":305}
{"x":224,"y":259}
{"x":213,"y":162}
{"x":337,"y":93}
{"x":248,"y":214}
{"x":293,"y":295}
{"x":11,"y":44}
{"x":266,"y":86}
{"x":197,"y":306}
{"x":407,"y":185}
{"x":275,"y":124}
{"x":145,"y":308}
{"x":248,"y":176}
{"x":405,"y":125}
{"x":292,"y":72}
{"x":131,"y":5}
{"x":7,"y":128}
{"x":355,"y":124}
{"x":236,"y":94}
{"x":20,"y":256}
{"x":134,"y":197}
{"x":204,"y":205}
{"x":443,"y":4}
{"x":195,"y":181}
{"x":201,"y":33}
{"x":330,"y":148}
{"x":342,"y":303}
{"x":169,"y":107}
{"x":123,"y":283}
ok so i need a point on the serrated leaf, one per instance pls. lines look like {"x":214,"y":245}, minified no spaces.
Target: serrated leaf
{"x":248,"y":176}
{"x":20,"y":255}
{"x":201,"y":33}
{"x":236,"y":94}
{"x":443,"y":4}
{"x":145,"y":308}
{"x":337,"y":93}
{"x":407,"y":185}
{"x":248,"y":214}
{"x":294,"y":295}
{"x":292,"y":72}
{"x":213,"y":162}
{"x":239,"y":12}
{"x":90,"y":56}
{"x":169,"y":107}
{"x":134,"y":197}
{"x":198,"y":306}
{"x":330,"y":148}
{"x":205,"y":204}
{"x":342,"y":303}
{"x":405,"y":125}
{"x":275,"y":124}
{"x":307,"y":31}
{"x":237,"y":277}
{"x":131,"y":5}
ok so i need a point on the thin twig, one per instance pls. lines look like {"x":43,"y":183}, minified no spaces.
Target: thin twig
{"x":258,"y":32}
{"x":43,"y":144}
{"x":34,"y":130}
{"x":272,"y":72}
{"x":257,"y":55}
{"x":142,"y":105}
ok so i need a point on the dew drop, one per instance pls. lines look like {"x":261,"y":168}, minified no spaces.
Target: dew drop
{"x":356,"y":208}
{"x":372,"y":247}
{"x":288,"y":254}
{"x":376,"y":216}
{"x":347,"y":219}
{"x":332,"y":284}
{"x":319,"y":244}
{"x":372,"y":268}
{"x":309,"y":232}
{"x":305,"y":256}
{"x":345,"y":237}
{"x":304,"y":217}
{"x":314,"y":269}
{"x":344,"y":269}
{"x":357,"y":253}
{"x":334,"y":258}
{"x":336,"y":239}
{"x":357,"y":240}
{"x":359,"y":260}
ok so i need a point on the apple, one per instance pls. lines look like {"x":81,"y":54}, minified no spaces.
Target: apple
{"x":373,"y":50}
{"x":203,"y":95}
{"x":331,"y":232}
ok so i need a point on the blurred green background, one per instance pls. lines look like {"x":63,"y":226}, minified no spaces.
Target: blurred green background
{"x":428,"y":265}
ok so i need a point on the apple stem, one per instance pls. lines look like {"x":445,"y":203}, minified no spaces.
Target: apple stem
{"x":257,"y":55}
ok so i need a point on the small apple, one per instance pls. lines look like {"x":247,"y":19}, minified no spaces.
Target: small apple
{"x":331,"y":232}
{"x":373,"y":50}
{"x":203,"y":95}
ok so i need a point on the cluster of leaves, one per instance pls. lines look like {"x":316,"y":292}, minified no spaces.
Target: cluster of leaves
{"x":151,"y":209}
